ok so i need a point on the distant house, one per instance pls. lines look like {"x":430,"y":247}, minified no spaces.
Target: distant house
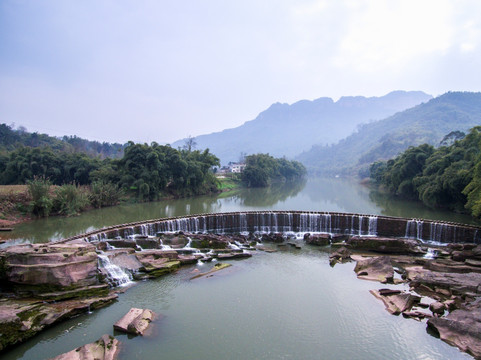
{"x":236,"y":167}
{"x":232,"y":167}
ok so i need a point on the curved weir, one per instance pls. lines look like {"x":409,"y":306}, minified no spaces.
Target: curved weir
{"x":295,"y":222}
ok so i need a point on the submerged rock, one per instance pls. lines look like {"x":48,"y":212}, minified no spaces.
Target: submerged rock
{"x":106,"y":348}
{"x":396,"y":301}
{"x":217,"y":267}
{"x":136,"y":321}
{"x":342,"y":255}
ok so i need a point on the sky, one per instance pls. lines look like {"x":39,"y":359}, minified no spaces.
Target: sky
{"x":161,"y":70}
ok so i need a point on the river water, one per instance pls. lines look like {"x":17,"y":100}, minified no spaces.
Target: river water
{"x":285,"y":305}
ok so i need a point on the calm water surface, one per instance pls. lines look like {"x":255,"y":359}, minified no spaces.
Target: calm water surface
{"x":284,"y":305}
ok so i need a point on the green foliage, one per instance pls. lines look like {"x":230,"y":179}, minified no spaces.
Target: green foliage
{"x":151,"y":170}
{"x":13,"y":139}
{"x":146,"y":171}
{"x":262,"y":169}
{"x":39,"y":190}
{"x":104,"y":194}
{"x":401,"y":171}
{"x":25,"y":163}
{"x":448,"y":177}
{"x":70,"y":199}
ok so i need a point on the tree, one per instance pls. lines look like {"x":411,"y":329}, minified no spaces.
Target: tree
{"x":262,"y":169}
{"x":190,"y":144}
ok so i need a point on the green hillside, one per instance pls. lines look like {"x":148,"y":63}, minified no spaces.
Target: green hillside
{"x":11,"y":139}
{"x":381,"y":140}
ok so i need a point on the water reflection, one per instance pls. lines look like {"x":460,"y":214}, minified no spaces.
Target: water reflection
{"x":335,"y":195}
{"x":392,"y":206}
{"x":268,"y":197}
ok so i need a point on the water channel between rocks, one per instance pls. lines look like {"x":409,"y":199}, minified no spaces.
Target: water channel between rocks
{"x":285,"y":305}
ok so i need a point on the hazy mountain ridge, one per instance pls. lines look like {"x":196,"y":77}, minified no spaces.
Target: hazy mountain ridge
{"x":384,"y":139}
{"x":287,"y":130}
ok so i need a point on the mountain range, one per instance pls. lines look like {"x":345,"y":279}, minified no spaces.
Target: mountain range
{"x":381,"y":140}
{"x":288,"y":130}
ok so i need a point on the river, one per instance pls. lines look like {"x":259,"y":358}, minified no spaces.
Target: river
{"x":285,"y":305}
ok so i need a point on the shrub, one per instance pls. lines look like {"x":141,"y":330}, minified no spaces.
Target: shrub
{"x":104,"y":194}
{"x":39,"y":190}
{"x":70,"y":199}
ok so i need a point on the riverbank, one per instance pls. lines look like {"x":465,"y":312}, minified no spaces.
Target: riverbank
{"x":14,"y":200}
{"x":15,"y":203}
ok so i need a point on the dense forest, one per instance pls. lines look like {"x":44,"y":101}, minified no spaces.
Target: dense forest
{"x":148,"y":171}
{"x":11,"y":139}
{"x":262,"y":169}
{"x":445,"y":177}
{"x":426,"y":123}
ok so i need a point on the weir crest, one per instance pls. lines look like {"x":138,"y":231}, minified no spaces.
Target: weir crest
{"x":296,"y":222}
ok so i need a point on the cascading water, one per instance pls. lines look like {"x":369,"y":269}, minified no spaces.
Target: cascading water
{"x":414,"y":229}
{"x":296,"y":224}
{"x":115,"y":275}
{"x":372,"y":230}
{"x":439,"y":232}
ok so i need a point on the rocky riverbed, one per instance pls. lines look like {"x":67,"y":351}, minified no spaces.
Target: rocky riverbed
{"x":444,"y":283}
{"x":43,"y":284}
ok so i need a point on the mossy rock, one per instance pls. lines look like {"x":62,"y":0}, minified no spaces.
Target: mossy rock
{"x":166,"y":268}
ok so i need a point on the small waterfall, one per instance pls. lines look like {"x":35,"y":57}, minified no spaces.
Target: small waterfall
{"x":115,"y":275}
{"x":351,"y":231}
{"x":243,"y":223}
{"x":372,"y":230}
{"x":233,"y":246}
{"x":164,"y":247}
{"x":431,"y":254}
{"x":414,"y":229}
{"x":439,"y":232}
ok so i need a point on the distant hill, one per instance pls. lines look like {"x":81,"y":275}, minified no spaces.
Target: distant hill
{"x":381,"y":140}
{"x":288,"y":130}
{"x":11,"y":139}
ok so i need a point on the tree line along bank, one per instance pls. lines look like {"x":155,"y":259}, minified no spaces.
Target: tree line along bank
{"x":69,"y":182}
{"x":446,"y":177}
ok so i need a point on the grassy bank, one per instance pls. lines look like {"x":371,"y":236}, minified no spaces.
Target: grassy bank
{"x":14,"y":200}
{"x":228,"y":182}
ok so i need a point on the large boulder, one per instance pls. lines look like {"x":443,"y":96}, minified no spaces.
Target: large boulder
{"x":317,"y":239}
{"x":461,"y":328}
{"x":273,"y":237}
{"x":157,"y":262}
{"x":49,"y":267}
{"x":385,"y":245}
{"x":106,"y":348}
{"x":376,"y":269}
